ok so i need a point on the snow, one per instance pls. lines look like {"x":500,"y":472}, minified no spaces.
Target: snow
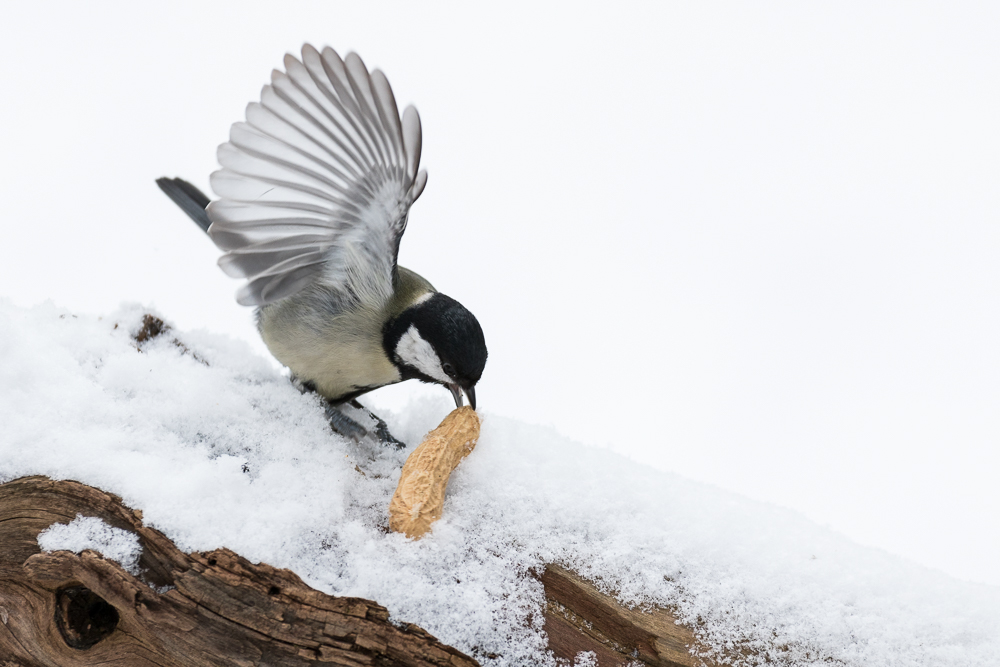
{"x":90,"y":532}
{"x":218,"y":449}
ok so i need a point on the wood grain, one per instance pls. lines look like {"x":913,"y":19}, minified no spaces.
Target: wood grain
{"x":579,"y":617}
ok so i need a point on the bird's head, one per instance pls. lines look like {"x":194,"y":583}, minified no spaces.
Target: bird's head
{"x":438,"y":340}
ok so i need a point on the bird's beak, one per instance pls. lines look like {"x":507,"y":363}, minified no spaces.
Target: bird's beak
{"x":456,"y":393}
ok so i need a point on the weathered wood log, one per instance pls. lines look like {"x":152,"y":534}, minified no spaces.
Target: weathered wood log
{"x":578,"y":617}
{"x":212,"y":608}
{"x":62,"y":609}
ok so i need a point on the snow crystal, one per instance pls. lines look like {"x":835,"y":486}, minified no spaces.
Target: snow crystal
{"x":219,"y":449}
{"x":90,"y":532}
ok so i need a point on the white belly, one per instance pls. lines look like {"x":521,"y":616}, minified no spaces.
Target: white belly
{"x":340,"y":356}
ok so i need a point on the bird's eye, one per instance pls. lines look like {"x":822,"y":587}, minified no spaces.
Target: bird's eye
{"x":448,"y":368}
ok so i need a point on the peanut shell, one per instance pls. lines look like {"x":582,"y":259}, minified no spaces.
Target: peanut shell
{"x":419,"y":496}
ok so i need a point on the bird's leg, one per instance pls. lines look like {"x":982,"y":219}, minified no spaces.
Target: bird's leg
{"x":381,"y":428}
{"x":343,"y":424}
{"x":347,"y":426}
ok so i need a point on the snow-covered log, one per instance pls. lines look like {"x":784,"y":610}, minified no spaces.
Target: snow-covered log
{"x":215,"y":608}
{"x":580,"y":618}
{"x":165,"y":607}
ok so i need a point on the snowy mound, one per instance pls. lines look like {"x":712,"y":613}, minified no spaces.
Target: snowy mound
{"x":218,"y":449}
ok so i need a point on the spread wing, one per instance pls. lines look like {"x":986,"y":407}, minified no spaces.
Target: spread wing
{"x":317,"y":183}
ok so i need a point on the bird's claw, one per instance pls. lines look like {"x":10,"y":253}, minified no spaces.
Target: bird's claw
{"x":350,"y":426}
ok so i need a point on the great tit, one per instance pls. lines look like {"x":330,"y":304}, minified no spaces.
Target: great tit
{"x":314,"y":193}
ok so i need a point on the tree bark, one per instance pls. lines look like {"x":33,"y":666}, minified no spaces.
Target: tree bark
{"x":62,"y":609}
{"x":578,"y":617}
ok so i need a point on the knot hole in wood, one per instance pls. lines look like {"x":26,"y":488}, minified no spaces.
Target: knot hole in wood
{"x":83,"y":617}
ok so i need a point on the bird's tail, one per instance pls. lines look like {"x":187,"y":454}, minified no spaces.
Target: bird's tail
{"x":191,"y":200}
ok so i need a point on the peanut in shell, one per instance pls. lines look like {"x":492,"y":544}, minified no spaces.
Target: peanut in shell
{"x":419,"y":496}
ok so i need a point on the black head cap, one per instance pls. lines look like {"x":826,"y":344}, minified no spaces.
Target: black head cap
{"x":454,"y":334}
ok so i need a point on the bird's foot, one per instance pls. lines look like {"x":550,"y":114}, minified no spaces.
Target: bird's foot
{"x":381,"y":428}
{"x":343,"y":424}
{"x":354,"y":421}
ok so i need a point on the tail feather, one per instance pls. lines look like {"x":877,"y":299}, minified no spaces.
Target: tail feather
{"x":190,"y":199}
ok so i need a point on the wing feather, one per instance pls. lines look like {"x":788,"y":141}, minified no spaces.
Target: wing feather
{"x":336,"y":76}
{"x":357,"y":76}
{"x":411,"y":140}
{"x":314,"y":112}
{"x":260,"y":264}
{"x":388,"y":114}
{"x":316,"y":184}
{"x":268,"y":289}
{"x":300,"y":75}
{"x":260,"y":156}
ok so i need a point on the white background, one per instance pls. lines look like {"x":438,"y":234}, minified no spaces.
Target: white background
{"x":756,"y":243}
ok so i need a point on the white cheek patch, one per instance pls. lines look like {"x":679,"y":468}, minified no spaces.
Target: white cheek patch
{"x":418,"y":353}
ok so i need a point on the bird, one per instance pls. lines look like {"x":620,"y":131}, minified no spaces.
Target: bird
{"x":314,"y":194}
